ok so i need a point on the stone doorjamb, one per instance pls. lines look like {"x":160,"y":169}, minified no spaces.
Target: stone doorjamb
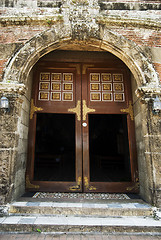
{"x":20,"y":65}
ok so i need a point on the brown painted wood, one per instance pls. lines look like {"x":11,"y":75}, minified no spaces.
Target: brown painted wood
{"x":81,"y":72}
{"x":55,"y":107}
{"x":109,"y":108}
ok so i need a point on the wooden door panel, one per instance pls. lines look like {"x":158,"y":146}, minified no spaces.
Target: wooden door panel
{"x":84,"y":90}
{"x":108,"y":91}
{"x":55,"y":92}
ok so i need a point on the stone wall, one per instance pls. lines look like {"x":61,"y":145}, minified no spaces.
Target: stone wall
{"x":21,"y":159}
{"x":30,"y":31}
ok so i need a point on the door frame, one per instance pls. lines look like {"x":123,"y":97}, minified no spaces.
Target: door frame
{"x":80,"y":72}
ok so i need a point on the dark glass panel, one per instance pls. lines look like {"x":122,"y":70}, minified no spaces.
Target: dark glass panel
{"x":109,"y":148}
{"x":55,"y":147}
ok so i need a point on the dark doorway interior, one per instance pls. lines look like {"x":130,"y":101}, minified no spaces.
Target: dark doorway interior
{"x":109,"y":148}
{"x":55,"y":147}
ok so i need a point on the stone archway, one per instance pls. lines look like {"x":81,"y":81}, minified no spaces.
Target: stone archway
{"x":18,"y":73}
{"x":20,"y":64}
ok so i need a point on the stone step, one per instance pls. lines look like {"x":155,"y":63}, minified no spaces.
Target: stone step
{"x":97,"y":209}
{"x":62,"y":224}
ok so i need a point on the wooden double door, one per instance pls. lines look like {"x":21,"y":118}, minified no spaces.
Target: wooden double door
{"x":81,"y":135}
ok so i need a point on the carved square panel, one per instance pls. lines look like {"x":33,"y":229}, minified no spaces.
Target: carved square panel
{"x":44,"y":96}
{"x":68,"y":77}
{"x":67,"y":96}
{"x":95,"y":96}
{"x":68,"y":86}
{"x":44,"y":76}
{"x":106,"y":87}
{"x":44,"y":86}
{"x":119,"y":97}
{"x":106,"y":77}
{"x":95,"y":86}
{"x":118,"y":87}
{"x":117,"y":77}
{"x":56,"y":96}
{"x":55,"y":86}
{"x":107,"y":97}
{"x":56,"y":76}
{"x":95,"y":77}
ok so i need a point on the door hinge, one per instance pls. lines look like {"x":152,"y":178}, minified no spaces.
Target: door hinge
{"x":78,"y":186}
{"x":86,"y":110}
{"x":33,"y":109}
{"x":133,"y":188}
{"x":29,"y":184}
{"x":129,"y":110}
{"x":76,"y":110}
{"x":87,"y":186}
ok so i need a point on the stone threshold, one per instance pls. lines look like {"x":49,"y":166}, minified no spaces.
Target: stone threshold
{"x":30,"y":215}
{"x":90,"y":208}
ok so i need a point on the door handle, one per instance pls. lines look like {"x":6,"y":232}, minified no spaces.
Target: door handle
{"x":76,"y":110}
{"x":86,"y":110}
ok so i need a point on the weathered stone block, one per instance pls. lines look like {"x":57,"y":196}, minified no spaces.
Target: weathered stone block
{"x":8,"y":140}
{"x":8,"y":123}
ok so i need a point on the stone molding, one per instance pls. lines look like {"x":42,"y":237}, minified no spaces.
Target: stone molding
{"x":8,"y":89}
{"x":148,"y":93}
{"x":80,"y":27}
{"x":19,"y":65}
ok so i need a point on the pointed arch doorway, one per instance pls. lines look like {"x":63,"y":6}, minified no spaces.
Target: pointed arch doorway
{"x":81,"y":136}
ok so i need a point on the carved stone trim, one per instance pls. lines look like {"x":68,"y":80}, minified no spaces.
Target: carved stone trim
{"x":147,"y":93}
{"x":12,"y":88}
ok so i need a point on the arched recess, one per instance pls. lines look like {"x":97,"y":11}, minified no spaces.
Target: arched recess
{"x":18,"y":71}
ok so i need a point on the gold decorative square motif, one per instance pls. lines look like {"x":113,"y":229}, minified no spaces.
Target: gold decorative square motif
{"x":95,"y":97}
{"x":44,"y":76}
{"x":95,"y":77}
{"x":107,"y":87}
{"x":68,"y":86}
{"x":56,"y":86}
{"x":107,"y":97}
{"x":68,"y":96}
{"x":43,"y":96}
{"x":55,"y":96}
{"x":119,"y":97}
{"x":117,"y":77}
{"x":118,"y":87}
{"x":44,"y":86}
{"x":56,"y":77}
{"x":106,"y":77}
{"x":95,"y":86}
{"x":68,"y":77}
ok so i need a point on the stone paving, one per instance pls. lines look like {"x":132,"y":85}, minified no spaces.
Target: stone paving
{"x":96,"y":236}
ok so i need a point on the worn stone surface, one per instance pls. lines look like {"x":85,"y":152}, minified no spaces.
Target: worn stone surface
{"x":31,"y":29}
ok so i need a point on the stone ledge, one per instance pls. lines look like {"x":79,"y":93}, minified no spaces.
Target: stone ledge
{"x":123,"y":5}
{"x":12,"y":88}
